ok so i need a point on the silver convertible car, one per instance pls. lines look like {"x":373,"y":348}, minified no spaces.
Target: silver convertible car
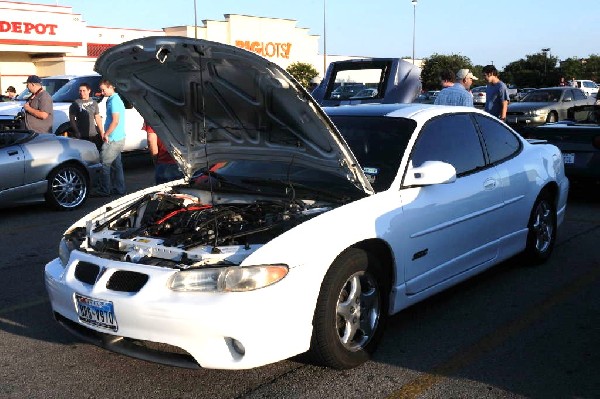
{"x":296,"y":228}
{"x":38,"y":167}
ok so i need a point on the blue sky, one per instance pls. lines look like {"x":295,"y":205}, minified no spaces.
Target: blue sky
{"x":502,"y":31}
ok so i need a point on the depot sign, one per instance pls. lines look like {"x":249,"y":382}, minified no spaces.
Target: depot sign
{"x":28,"y":28}
{"x":266,"y":49}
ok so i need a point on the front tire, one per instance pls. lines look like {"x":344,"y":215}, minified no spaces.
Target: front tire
{"x":552,"y":117}
{"x":351,"y":311}
{"x":68,"y":187}
{"x":542,"y":230}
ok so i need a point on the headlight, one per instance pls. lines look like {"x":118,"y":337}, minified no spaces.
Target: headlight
{"x":536,"y":112}
{"x":228,"y":279}
{"x":65,"y":247}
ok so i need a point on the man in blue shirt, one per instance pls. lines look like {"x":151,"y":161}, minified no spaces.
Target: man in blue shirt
{"x":458,"y":94}
{"x":113,"y":178}
{"x":496,"y":93}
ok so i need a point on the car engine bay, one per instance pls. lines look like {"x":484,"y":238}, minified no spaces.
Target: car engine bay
{"x":179,"y":230}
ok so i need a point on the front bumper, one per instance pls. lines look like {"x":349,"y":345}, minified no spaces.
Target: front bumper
{"x":526,"y":120}
{"x":272,"y":324}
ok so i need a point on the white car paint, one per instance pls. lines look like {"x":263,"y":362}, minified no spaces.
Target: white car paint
{"x":423,"y":196}
{"x":407,"y":219}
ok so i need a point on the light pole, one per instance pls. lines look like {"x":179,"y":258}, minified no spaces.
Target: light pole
{"x":195,"y":21}
{"x":414,"y":3}
{"x":324,"y":43}
{"x":545,"y":51}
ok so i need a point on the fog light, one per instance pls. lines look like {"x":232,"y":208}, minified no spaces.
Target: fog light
{"x":237,"y":346}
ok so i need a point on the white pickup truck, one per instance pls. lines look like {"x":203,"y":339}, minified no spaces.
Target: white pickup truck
{"x":64,"y":89}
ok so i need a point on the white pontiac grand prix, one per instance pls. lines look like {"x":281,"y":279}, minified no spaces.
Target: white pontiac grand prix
{"x":296,"y":229}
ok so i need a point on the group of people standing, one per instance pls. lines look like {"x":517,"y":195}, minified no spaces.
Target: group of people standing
{"x":86,"y":123}
{"x":455,"y":90}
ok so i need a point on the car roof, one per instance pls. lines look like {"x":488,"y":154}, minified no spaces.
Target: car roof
{"x":417,"y":111}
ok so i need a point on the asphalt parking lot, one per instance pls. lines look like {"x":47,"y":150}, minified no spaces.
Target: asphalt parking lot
{"x":516,"y":331}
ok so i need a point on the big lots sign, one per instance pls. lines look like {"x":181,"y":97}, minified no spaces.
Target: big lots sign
{"x":28,"y":28}
{"x":266,"y":49}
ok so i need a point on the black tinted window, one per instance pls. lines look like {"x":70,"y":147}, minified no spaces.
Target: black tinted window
{"x":452,"y":139}
{"x":378,"y":143}
{"x":500,"y":142}
{"x":578,"y":95}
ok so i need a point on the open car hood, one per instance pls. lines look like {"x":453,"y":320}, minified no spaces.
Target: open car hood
{"x":211,"y":102}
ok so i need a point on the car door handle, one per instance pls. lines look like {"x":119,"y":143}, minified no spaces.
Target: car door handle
{"x":13,"y":152}
{"x":489,"y":184}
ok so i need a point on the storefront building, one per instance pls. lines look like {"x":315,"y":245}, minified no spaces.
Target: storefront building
{"x":48,"y":40}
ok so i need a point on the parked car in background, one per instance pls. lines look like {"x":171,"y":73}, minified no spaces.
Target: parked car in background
{"x":589,"y":87}
{"x":512,"y":91}
{"x":365,"y":93}
{"x":578,"y":138}
{"x":347,"y":90}
{"x":39,"y":167}
{"x":521,"y":93}
{"x":396,"y":81}
{"x":545,"y":105}
{"x":64,"y":90}
{"x":250,"y":259}
{"x":427,"y":97}
{"x":478,"y":95}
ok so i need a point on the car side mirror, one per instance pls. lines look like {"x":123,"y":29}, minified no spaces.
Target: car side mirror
{"x":567,"y":99}
{"x":430,"y":173}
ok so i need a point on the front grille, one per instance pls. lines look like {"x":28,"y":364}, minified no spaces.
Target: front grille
{"x":126,"y":281}
{"x":87,"y":272}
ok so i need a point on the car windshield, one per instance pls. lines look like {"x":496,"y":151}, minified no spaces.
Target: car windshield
{"x":279,"y":179}
{"x":543,"y":96}
{"x":51,"y":85}
{"x":378,"y":144}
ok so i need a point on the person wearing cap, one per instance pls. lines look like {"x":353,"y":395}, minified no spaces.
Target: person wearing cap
{"x":38,"y":108}
{"x":11,"y":92}
{"x":496,"y":93}
{"x":458,"y":93}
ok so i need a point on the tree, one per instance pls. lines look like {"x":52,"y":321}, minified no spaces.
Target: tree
{"x":592,"y":68}
{"x":430,"y":74}
{"x":302,"y":72}
{"x":536,"y":70}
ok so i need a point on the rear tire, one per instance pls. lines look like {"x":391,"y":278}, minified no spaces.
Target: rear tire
{"x":351,"y":311}
{"x":542,"y":229}
{"x":68,"y":187}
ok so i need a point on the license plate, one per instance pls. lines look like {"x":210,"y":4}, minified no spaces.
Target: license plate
{"x":568,"y":158}
{"x":96,"y":312}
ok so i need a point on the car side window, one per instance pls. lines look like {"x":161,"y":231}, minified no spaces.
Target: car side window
{"x":578,"y":95}
{"x":452,"y":139}
{"x":499,"y":141}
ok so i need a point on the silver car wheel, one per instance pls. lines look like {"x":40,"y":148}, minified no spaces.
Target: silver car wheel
{"x":358,"y":311}
{"x":543,"y":226}
{"x":68,"y":187}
